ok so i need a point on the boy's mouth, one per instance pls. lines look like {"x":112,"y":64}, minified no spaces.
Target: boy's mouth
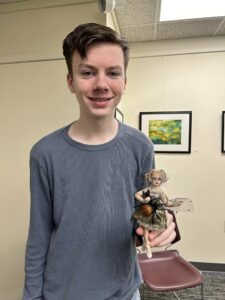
{"x":99,"y":99}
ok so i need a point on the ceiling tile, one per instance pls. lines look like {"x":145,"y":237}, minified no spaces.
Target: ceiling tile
{"x":185,"y":29}
{"x":136,"y":12}
{"x":138,"y":33}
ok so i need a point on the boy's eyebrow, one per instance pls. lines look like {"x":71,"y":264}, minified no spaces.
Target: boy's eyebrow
{"x":115,"y":67}
{"x":81,"y":65}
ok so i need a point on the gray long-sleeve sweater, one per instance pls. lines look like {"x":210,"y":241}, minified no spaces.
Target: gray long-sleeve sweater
{"x":81,"y":240}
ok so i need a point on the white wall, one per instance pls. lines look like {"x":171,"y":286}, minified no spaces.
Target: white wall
{"x":193,"y":81}
{"x":34,"y":100}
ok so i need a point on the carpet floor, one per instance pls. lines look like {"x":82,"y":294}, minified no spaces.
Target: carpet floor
{"x":213,"y":287}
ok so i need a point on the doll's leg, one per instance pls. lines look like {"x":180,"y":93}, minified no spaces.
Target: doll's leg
{"x":147,"y":243}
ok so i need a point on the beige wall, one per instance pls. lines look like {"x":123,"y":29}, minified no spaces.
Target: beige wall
{"x":34,"y":100}
{"x":111,"y":22}
{"x":189,"y":76}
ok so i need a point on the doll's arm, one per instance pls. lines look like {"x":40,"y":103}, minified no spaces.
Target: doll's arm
{"x":140,"y":196}
{"x":167,"y":202}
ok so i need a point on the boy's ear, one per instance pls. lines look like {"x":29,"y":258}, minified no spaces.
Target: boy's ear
{"x":70,"y":83}
{"x":125,"y":84}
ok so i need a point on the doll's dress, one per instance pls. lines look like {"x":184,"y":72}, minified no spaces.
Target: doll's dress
{"x":157,"y":220}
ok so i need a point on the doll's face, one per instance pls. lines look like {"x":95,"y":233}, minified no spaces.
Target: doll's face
{"x":156,"y":180}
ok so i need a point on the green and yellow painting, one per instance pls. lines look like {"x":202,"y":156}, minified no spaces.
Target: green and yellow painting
{"x":167,"y":132}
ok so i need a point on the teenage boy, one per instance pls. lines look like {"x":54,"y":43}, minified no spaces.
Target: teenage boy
{"x":83,"y":180}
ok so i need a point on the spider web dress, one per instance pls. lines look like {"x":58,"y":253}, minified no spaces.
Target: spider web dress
{"x":157,"y":219}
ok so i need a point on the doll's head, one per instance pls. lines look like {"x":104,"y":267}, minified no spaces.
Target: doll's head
{"x":157,"y":177}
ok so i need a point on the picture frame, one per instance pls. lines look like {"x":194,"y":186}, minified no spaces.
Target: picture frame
{"x":170,"y":131}
{"x":119,"y":115}
{"x":223,"y":133}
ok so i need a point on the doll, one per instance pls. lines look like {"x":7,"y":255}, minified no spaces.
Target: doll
{"x":150,"y":213}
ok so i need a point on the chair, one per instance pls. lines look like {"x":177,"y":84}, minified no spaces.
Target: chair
{"x":168,"y":271}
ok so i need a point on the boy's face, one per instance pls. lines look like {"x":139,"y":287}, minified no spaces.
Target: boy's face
{"x":98,"y":80}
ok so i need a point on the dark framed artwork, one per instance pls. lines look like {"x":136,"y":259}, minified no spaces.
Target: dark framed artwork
{"x":223,"y":133}
{"x":119,"y":115}
{"x":169,"y":131}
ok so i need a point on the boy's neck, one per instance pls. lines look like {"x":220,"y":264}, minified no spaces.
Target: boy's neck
{"x":94,"y":131}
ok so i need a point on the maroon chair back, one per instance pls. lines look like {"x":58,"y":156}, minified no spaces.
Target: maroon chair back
{"x":168,"y":271}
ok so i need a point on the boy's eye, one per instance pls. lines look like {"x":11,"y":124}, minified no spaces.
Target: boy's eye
{"x":114,"y":74}
{"x":87,"y":74}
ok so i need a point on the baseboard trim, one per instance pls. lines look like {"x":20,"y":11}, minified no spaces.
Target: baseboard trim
{"x":213,"y":267}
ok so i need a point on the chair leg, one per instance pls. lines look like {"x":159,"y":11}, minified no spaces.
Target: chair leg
{"x":202,"y":292}
{"x":176,"y":296}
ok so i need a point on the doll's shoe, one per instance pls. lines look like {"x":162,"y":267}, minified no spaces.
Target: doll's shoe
{"x":146,"y":249}
{"x":149,"y":252}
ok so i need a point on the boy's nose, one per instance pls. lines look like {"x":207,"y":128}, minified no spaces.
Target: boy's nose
{"x":101,"y":83}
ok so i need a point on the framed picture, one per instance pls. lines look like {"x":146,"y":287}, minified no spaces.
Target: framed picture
{"x":169,"y":131}
{"x":223,"y":132}
{"x":119,"y":115}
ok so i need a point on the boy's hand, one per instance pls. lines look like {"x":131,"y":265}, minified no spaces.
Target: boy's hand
{"x":163,"y":238}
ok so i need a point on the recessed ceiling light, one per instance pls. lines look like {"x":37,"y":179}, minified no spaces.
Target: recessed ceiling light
{"x":191,"y":9}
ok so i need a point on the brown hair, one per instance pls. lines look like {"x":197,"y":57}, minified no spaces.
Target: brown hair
{"x":85,"y":35}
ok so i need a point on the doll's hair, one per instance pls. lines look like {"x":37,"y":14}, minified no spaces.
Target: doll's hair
{"x":159,"y":172}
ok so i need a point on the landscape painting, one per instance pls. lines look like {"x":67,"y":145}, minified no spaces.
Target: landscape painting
{"x":170,"y":132}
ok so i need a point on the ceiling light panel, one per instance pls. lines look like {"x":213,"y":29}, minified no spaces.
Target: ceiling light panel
{"x":191,"y":9}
